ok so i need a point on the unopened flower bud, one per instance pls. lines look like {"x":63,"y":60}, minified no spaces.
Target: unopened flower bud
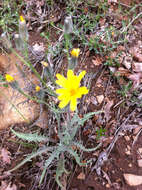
{"x":23,"y":31}
{"x":68,"y":25}
{"x":74,"y":58}
{"x":18,"y":42}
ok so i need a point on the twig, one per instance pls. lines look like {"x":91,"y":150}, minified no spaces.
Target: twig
{"x":126,"y":28}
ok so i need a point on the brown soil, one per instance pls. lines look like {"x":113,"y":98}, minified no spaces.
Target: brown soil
{"x":123,"y":157}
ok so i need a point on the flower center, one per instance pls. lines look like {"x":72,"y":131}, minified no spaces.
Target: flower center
{"x":72,"y":92}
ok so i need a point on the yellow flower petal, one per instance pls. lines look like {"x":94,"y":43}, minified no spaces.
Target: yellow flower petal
{"x":81,"y":91}
{"x":81,"y":75}
{"x":63,"y":93}
{"x":70,"y":74}
{"x":61,"y":80}
{"x":73,"y":104}
{"x":64,"y":103}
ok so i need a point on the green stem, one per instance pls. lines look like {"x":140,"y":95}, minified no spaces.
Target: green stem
{"x":67,"y":42}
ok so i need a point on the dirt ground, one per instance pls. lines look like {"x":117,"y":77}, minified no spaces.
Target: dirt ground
{"x":121,"y":119}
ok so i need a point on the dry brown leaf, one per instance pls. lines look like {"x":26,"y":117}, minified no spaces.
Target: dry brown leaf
{"x":132,"y":179}
{"x":5,"y":186}
{"x":38,"y":48}
{"x":140,"y":150}
{"x":126,"y":2}
{"x":139,"y":162}
{"x":81,"y":176}
{"x":100,"y":98}
{"x":122,"y":72}
{"x":13,"y":187}
{"x":127,"y":62}
{"x":136,"y":78}
{"x":6,"y":156}
{"x":97,"y":61}
{"x":107,"y":109}
{"x":112,"y":1}
{"x":137,"y":67}
{"x":136,"y":53}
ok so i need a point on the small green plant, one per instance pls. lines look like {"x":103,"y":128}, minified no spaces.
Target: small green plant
{"x":100,"y":132}
{"x":125,"y":89}
{"x":8,"y":15}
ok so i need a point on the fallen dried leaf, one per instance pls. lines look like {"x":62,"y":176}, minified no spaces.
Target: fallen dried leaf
{"x":127,"y":62}
{"x":6,"y":156}
{"x":13,"y":187}
{"x":97,"y":61}
{"x":100,"y":98}
{"x":137,"y":67}
{"x":38,"y":47}
{"x":137,"y":130}
{"x":112,"y":1}
{"x":136,"y":53}
{"x":81,"y":176}
{"x":136,"y":78}
{"x":5,"y":186}
{"x":140,"y":150}
{"x":132,"y":179}
{"x":139,"y":162}
{"x":107,"y":109}
{"x":122,"y":72}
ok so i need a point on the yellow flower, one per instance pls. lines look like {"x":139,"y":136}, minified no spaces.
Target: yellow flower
{"x":71,"y":90}
{"x":45,"y":64}
{"x":37,"y":88}
{"x":22,"y":19}
{"x":112,"y":33}
{"x":9,"y":78}
{"x":75,"y":52}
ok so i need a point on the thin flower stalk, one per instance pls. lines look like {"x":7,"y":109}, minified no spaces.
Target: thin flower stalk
{"x":74,"y":58}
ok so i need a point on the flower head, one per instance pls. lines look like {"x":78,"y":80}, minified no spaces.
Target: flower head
{"x":68,"y":25}
{"x":37,"y":88}
{"x":71,"y":89}
{"x":45,"y":64}
{"x":75,"y":52}
{"x":22,"y":19}
{"x":9,"y":78}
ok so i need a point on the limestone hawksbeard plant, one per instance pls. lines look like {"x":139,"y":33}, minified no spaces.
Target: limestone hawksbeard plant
{"x":71,"y":89}
{"x":9,"y":78}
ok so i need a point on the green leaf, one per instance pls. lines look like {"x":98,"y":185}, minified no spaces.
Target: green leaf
{"x":87,"y":116}
{"x":60,"y":170}
{"x":47,"y":163}
{"x":75,"y":155}
{"x":81,"y":147}
{"x":80,"y":121}
{"x":32,"y":155}
{"x":30,"y":137}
